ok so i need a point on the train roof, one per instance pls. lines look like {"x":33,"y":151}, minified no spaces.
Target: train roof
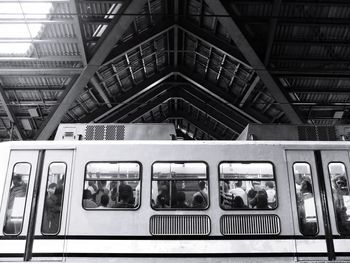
{"x":75,"y":144}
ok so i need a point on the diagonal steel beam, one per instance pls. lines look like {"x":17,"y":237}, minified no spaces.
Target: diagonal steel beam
{"x":215,"y":93}
{"x":10,"y":114}
{"x":249,"y":53}
{"x":148,"y":84}
{"x":113,"y":34}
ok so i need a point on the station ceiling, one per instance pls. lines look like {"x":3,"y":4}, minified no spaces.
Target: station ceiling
{"x":208,"y":66}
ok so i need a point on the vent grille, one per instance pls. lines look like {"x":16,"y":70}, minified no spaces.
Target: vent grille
{"x":69,"y":134}
{"x":180,"y":225}
{"x":317,"y":133}
{"x":104,"y":132}
{"x":250,"y":224}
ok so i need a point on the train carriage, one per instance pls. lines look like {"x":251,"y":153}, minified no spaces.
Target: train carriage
{"x":151,"y":200}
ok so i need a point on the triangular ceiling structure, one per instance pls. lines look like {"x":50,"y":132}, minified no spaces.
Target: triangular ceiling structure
{"x":128,"y":61}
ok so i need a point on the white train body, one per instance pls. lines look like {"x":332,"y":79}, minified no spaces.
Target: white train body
{"x":145,"y":233}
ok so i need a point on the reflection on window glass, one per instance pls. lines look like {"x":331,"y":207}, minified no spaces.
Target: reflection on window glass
{"x":54,"y":198}
{"x":341,"y":196}
{"x":17,"y":199}
{"x":247,"y":186}
{"x":112,"y":185}
{"x":305,"y":199}
{"x":180,"y":185}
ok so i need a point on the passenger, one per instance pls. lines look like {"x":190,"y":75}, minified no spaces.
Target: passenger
{"x":173,"y":194}
{"x":104,"y":201}
{"x":202,"y":192}
{"x":260,"y":200}
{"x":102,"y":190}
{"x":271,"y":194}
{"x":342,"y":204}
{"x":52,"y":211}
{"x":114,"y":194}
{"x":238,"y":202}
{"x":87,"y":200}
{"x":199,"y":202}
{"x":307,"y":209}
{"x":225,"y":197}
{"x":238,"y":191}
{"x":93,"y":189}
{"x":18,"y":190}
{"x":163,"y":198}
{"x":181,"y":200}
{"x":126,"y":197}
{"x":256,"y":186}
{"x":162,"y":201}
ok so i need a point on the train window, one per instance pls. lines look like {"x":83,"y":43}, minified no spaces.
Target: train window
{"x":341,"y":196}
{"x":305,"y":199}
{"x":247,"y":185}
{"x":179,"y":185}
{"x":17,"y":199}
{"x":54,"y":198}
{"x":112,"y":185}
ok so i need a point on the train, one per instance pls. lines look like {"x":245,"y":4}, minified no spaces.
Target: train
{"x":156,"y":201}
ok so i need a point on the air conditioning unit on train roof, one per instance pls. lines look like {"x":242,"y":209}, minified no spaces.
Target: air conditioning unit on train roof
{"x":277,"y":132}
{"x":115,"y":131}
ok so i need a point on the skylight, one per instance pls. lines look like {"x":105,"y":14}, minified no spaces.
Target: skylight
{"x":16,"y":24}
{"x":110,"y":15}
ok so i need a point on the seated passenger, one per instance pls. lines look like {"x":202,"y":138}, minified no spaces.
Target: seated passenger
{"x":238,"y":202}
{"x":104,"y":201}
{"x":238,"y":191}
{"x":198,"y":202}
{"x":202,"y":192}
{"x":87,"y":200}
{"x":181,"y":200}
{"x":163,"y":198}
{"x":162,"y":201}
{"x":260,"y":200}
{"x":125,"y":196}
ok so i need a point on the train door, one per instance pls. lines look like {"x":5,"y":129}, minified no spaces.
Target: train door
{"x":34,"y":208}
{"x":336,"y":169}
{"x":16,"y":203}
{"x":52,"y":206}
{"x":309,"y":209}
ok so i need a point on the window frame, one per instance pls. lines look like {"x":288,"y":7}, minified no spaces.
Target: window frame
{"x":183,"y":209}
{"x":25,"y":200}
{"x":249,"y":209}
{"x":116,"y":208}
{"x":314,"y":196}
{"x":62,"y":202}
{"x":334,"y":207}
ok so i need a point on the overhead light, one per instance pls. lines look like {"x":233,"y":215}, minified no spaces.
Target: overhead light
{"x":338,"y":114}
{"x":26,"y":124}
{"x":33,"y":112}
{"x":110,"y":15}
